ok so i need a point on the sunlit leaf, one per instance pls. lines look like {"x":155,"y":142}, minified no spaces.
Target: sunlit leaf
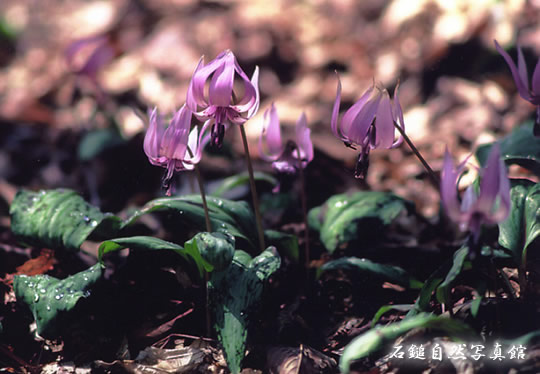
{"x":344,"y":218}
{"x":150,"y":243}
{"x":234,"y":293}
{"x":374,"y":339}
{"x":216,"y":248}
{"x":519,"y":147}
{"x":55,"y":219}
{"x":522,"y":227}
{"x":47,"y":296}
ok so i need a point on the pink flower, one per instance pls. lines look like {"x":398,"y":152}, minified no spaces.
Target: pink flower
{"x":222,"y":104}
{"x":175,"y":148}
{"x":295,"y":154}
{"x":521,"y":78}
{"x":488,"y":206}
{"x":369,"y":123}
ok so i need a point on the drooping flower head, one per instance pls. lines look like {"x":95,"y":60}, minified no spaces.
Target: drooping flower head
{"x":294,"y":154}
{"x":490,"y":205}
{"x":87,"y":56}
{"x":175,"y":148}
{"x":369,"y":123}
{"x":220,"y":102}
{"x":521,"y":78}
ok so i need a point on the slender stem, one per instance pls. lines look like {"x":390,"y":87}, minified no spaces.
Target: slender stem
{"x":209,"y":229}
{"x":253,"y":190}
{"x":434,"y":179}
{"x":203,"y":197}
{"x":304,"y":211}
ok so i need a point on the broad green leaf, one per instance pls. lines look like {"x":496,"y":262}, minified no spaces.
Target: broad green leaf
{"x":242,"y":180}
{"x":522,"y":226}
{"x":46,"y":296}
{"x":443,"y":291}
{"x":344,"y":218}
{"x":234,"y":293}
{"x":480,"y":291}
{"x":386,"y":308}
{"x":519,"y":147}
{"x":150,"y":243}
{"x":374,"y":339}
{"x":97,"y":141}
{"x":234,"y":217}
{"x":216,"y":248}
{"x":55,"y":219}
{"x":366,"y":268}
{"x":286,"y":244}
{"x":422,"y":303}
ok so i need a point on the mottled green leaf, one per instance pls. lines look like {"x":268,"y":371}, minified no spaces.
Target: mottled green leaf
{"x":522,"y":226}
{"x":55,"y":219}
{"x":519,"y":147}
{"x":216,"y":248}
{"x":234,"y":217}
{"x":368,"y":269}
{"x":344,"y":218}
{"x":235,"y":292}
{"x":150,"y":243}
{"x":374,"y":339}
{"x":47,"y":296}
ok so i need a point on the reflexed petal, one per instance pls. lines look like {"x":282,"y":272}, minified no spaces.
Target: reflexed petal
{"x":152,"y":138}
{"x":355,"y":128}
{"x":250,"y":102}
{"x":398,"y":116}
{"x":449,"y":198}
{"x":174,"y":143}
{"x":195,"y":93}
{"x":196,"y":143}
{"x":303,"y":140}
{"x":489,"y":187}
{"x":536,"y":84}
{"x":271,"y":134}
{"x":522,"y":68}
{"x":469,"y":198}
{"x":221,"y":85}
{"x":521,"y":85}
{"x":384,"y":123}
{"x":335,"y":113}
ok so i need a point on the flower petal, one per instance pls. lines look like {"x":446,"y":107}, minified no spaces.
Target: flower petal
{"x":521,"y":84}
{"x":221,"y":85}
{"x":489,"y":187}
{"x":449,"y":198}
{"x":398,"y":116}
{"x":335,"y":113}
{"x":536,"y":84}
{"x":153,"y":136}
{"x":271,"y":133}
{"x":174,"y":143}
{"x":195,"y":93}
{"x":384,"y":123}
{"x":303,"y":140}
{"x":358,"y":119}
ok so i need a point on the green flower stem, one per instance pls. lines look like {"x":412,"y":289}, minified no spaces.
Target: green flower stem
{"x":434,"y":179}
{"x":304,"y":212}
{"x":253,"y":190}
{"x":209,"y":229}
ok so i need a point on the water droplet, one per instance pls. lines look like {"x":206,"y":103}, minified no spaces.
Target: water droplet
{"x":86,"y":218}
{"x":93,"y":223}
{"x":31,"y":284}
{"x":181,"y":212}
{"x":58,"y":297}
{"x":43,"y":290}
{"x":36,"y":298}
{"x":85,"y":278}
{"x":48,"y":307}
{"x":220,"y":202}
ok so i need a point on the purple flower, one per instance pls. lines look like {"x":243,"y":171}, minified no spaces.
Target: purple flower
{"x":175,"y":147}
{"x":101,"y":52}
{"x":491,"y":205}
{"x":521,"y":78}
{"x":369,"y":123}
{"x":220,"y":102}
{"x":295,"y":154}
